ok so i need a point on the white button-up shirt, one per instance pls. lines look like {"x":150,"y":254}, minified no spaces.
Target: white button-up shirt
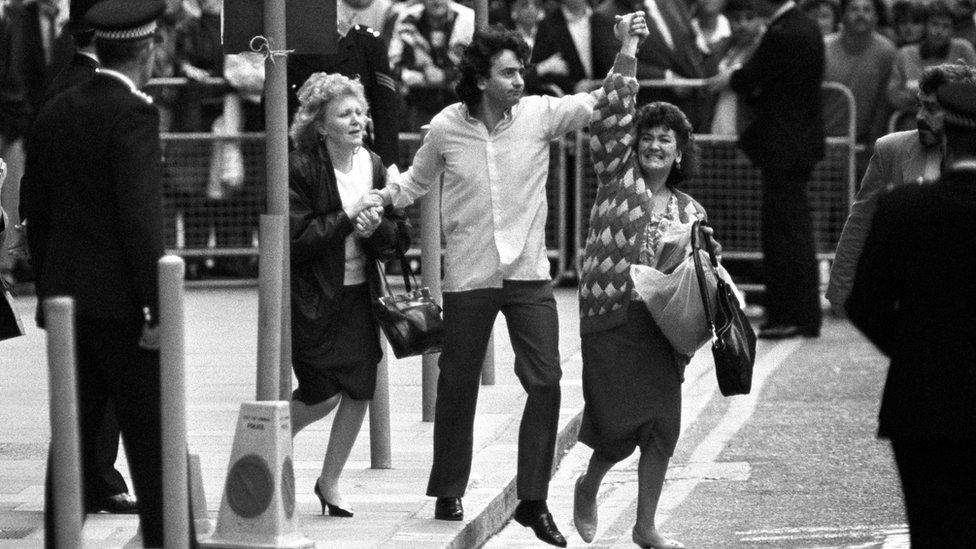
{"x":493,"y":199}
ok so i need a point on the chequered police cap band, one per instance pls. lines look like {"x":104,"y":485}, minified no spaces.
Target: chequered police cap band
{"x":128,"y":34}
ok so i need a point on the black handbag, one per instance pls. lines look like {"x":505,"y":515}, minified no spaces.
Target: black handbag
{"x":10,"y":325}
{"x":412,"y":320}
{"x":734,"y":343}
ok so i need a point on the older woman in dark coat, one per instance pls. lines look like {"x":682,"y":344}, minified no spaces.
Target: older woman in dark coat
{"x":338,"y":232}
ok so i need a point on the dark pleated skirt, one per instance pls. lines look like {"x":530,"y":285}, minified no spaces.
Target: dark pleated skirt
{"x":349,"y":365}
{"x":631,"y":388}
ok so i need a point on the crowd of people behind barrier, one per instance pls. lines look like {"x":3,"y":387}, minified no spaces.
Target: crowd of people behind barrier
{"x":875,"y":48}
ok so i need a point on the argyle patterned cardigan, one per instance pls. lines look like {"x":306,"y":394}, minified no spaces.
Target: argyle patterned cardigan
{"x":622,"y":208}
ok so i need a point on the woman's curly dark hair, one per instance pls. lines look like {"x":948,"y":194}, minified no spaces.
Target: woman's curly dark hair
{"x":660,"y":113}
{"x":477,"y":56}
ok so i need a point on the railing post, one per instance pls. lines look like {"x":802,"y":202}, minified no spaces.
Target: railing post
{"x":176,"y":499}
{"x":65,"y":455}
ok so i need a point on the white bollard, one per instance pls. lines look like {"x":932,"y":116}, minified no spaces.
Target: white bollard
{"x":379,"y":414}
{"x":271,"y":298}
{"x":65,"y":452}
{"x":430,"y":274}
{"x":176,"y":505}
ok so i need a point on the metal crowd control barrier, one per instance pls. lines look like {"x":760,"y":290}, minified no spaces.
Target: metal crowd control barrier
{"x":730,"y":188}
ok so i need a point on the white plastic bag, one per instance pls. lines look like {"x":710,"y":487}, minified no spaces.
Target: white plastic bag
{"x":674,"y":301}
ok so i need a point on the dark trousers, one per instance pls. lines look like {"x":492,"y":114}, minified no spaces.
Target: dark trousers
{"x":103,"y":479}
{"x":533,"y":326}
{"x":938,"y":478}
{"x":789,"y":253}
{"x":112,"y":366}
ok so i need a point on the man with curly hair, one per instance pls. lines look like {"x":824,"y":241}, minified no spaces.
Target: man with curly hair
{"x":492,"y":150}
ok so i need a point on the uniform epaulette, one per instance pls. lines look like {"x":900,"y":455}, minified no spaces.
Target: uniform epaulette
{"x":369,"y":30}
{"x":144,"y":96}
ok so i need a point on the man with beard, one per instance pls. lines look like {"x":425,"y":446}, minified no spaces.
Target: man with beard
{"x":899,"y":158}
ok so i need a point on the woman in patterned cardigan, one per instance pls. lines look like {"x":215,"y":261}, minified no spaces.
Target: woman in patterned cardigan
{"x":631,"y":373}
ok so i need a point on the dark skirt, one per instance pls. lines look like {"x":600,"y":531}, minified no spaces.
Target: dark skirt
{"x":631,"y":388}
{"x":349,"y":364}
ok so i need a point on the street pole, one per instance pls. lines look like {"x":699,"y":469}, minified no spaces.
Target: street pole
{"x":276,"y":148}
{"x":488,"y":365}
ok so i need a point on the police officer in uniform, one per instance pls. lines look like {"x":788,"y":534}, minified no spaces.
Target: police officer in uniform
{"x":360,"y":52}
{"x":92,"y":192}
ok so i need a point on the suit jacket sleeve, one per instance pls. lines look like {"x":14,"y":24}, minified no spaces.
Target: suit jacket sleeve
{"x":382,"y":102}
{"x":876,"y":178}
{"x":769,"y":61}
{"x":311,"y":231}
{"x":137,"y":170}
{"x":873,"y":304}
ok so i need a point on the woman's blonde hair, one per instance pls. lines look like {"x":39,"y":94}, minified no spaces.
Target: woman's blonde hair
{"x":313,"y":96}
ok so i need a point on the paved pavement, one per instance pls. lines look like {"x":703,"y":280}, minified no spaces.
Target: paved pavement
{"x":391,"y":509}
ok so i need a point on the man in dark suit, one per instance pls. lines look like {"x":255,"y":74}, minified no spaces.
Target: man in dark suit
{"x":781,"y":82}
{"x":572,"y":43}
{"x":28,"y":36}
{"x":92,"y":193}
{"x":669,"y":51}
{"x":360,"y":53}
{"x":914,"y":298}
{"x":105,"y":488}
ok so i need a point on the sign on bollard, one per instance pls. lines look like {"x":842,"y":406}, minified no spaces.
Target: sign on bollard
{"x":258,"y":505}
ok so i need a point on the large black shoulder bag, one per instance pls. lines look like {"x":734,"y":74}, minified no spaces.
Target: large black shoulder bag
{"x":412,"y":320}
{"x":734,"y":345}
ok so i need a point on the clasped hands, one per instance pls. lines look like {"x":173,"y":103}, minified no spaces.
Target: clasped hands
{"x":366,"y":213}
{"x":631,"y":26}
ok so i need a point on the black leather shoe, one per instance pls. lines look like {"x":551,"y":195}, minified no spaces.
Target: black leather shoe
{"x":119,"y":504}
{"x":536,"y":515}
{"x":448,"y":509}
{"x":785,"y":331}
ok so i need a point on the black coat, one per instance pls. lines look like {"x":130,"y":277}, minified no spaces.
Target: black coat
{"x":318,"y":230}
{"x":80,"y":69}
{"x":553,"y":37}
{"x":361,"y":52}
{"x":781,"y":82}
{"x":914,"y":298}
{"x":91,"y":193}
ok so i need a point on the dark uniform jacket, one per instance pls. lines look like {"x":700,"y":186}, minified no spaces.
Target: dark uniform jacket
{"x":318,"y":228}
{"x":91,"y":191}
{"x":80,"y":69}
{"x":781,"y":82}
{"x":553,"y":37}
{"x":361,"y":53}
{"x":914,"y":298}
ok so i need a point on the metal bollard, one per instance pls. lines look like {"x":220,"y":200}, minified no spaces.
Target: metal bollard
{"x":488,"y":366}
{"x":430,"y":259}
{"x":379,"y":415}
{"x":176,"y":503}
{"x":65,"y":453}
{"x":270,"y":305}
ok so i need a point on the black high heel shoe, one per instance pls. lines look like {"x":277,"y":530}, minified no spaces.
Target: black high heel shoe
{"x":334,"y":510}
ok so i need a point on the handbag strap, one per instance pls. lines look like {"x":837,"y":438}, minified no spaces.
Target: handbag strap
{"x":700,"y":271}
{"x":404,"y":270}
